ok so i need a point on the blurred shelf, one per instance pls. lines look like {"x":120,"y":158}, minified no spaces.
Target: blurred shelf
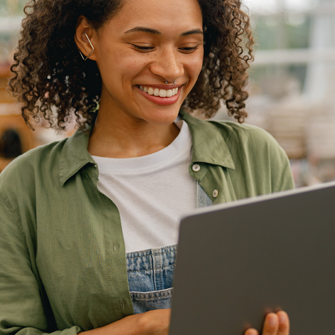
{"x":294,"y":56}
{"x":320,"y":10}
{"x":10,"y":23}
{"x":4,"y":162}
{"x":5,"y":74}
{"x":5,"y":70}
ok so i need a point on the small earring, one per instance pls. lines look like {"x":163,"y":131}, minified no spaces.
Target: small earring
{"x":81,"y":54}
{"x":166,"y":82}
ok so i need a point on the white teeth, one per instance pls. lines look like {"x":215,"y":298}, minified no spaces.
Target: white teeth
{"x":159,"y":93}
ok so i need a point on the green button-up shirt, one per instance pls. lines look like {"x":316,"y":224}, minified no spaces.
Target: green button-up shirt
{"x":62,"y":253}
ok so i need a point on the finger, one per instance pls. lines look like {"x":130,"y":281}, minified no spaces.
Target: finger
{"x":284,"y":323}
{"x":270,"y":324}
{"x":251,"y":331}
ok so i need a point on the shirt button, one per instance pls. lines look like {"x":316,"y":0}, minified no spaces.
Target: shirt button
{"x":215,"y":193}
{"x":196,"y":167}
{"x":114,"y":248}
{"x":122,"y":304}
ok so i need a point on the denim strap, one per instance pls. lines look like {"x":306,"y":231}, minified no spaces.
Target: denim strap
{"x":203,"y":200}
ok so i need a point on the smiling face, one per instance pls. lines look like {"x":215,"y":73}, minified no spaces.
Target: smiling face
{"x":146,"y":44}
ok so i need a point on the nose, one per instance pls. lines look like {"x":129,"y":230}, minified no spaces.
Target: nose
{"x":167,"y":65}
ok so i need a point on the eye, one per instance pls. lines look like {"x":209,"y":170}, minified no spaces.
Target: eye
{"x":189,"y":50}
{"x":142,"y":48}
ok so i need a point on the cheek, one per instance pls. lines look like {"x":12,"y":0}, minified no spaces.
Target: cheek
{"x":194,"y":67}
{"x":118,"y":66}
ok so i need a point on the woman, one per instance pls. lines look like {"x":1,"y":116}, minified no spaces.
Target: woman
{"x":89,"y":224}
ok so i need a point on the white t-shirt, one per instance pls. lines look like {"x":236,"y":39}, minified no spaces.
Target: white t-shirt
{"x":151,"y":192}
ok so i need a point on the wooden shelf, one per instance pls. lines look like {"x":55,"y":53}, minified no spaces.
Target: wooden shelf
{"x":3,"y":163}
{"x":5,"y":70}
{"x":5,"y":74}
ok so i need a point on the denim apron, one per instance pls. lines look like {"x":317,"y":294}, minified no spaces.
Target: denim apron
{"x":150,"y":272}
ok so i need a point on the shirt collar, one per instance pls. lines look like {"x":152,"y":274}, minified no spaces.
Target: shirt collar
{"x":74,"y":155}
{"x":209,"y":147}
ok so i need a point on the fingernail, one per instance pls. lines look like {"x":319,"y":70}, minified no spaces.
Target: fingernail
{"x":272,"y":319}
{"x":282,"y":317}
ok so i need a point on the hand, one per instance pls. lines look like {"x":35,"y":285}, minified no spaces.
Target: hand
{"x":156,"y":322}
{"x":274,"y":324}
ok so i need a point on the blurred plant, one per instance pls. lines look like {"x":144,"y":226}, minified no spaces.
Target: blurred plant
{"x":12,"y":7}
{"x":10,"y":13}
{"x":294,"y":31}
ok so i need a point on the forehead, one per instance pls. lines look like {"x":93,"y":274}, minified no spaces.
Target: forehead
{"x":159,"y":14}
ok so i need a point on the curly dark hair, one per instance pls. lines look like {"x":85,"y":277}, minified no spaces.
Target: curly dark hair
{"x":53,"y":83}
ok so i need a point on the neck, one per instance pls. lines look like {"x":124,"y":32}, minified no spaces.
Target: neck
{"x":116,"y":135}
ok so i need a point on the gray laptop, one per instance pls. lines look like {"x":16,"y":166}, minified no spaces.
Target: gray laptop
{"x":238,"y":261}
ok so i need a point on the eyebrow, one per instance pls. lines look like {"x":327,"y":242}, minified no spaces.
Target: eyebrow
{"x":156,"y":32}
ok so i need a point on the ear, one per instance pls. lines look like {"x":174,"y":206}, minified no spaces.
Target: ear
{"x":83,"y":44}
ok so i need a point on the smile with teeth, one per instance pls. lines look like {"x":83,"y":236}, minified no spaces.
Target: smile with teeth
{"x":159,"y":92}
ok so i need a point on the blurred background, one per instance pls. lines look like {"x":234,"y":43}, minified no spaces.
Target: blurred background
{"x":292,"y":84}
{"x":15,"y":137}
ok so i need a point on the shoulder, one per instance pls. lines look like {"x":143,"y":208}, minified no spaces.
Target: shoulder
{"x":230,"y":131}
{"x":242,"y":140}
{"x":35,"y":158}
{"x":257,"y":153}
{"x":257,"y":159}
{"x":237,"y":136}
{"x":23,"y":171}
{"x":245,"y":135}
{"x":252,"y":144}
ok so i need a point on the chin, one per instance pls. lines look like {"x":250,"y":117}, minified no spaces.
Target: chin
{"x":162,"y":116}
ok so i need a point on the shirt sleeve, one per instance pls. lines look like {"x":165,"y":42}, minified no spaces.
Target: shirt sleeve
{"x":21,"y":306}
{"x":268,"y":162}
{"x":282,"y":178}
